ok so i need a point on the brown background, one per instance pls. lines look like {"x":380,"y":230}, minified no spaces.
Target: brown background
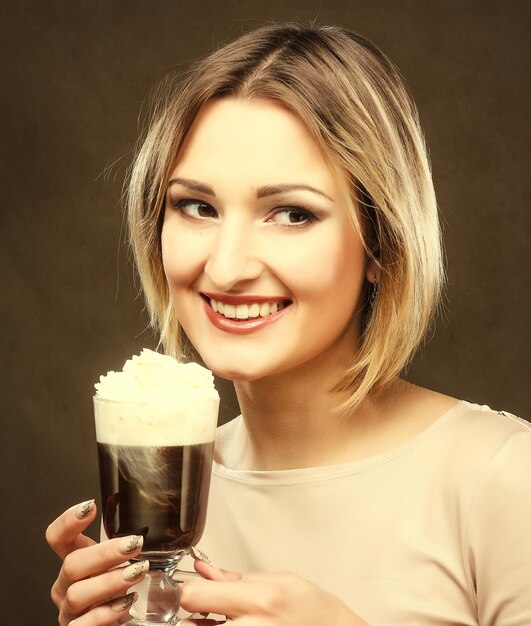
{"x":75,"y":77}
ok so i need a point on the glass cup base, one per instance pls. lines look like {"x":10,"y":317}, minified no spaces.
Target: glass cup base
{"x":159,"y":593}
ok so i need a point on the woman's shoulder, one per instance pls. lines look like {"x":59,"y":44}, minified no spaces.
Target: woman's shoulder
{"x":471,"y":423}
{"x":445,"y":428}
{"x":455,"y":438}
{"x":487,"y":425}
{"x":476,"y":439}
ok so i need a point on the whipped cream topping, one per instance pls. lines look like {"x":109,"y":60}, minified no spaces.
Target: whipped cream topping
{"x":156,"y":401}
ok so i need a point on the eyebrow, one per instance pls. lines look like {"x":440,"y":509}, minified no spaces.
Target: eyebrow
{"x":193,"y":185}
{"x":261,"y":192}
{"x":270,"y":190}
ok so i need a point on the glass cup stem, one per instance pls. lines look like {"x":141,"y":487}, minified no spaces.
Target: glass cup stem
{"x":159,"y":593}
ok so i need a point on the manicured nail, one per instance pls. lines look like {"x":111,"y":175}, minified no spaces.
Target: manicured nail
{"x":130,"y":544}
{"x":201,"y":556}
{"x":135,"y":571}
{"x":120,"y":604}
{"x":83,"y":510}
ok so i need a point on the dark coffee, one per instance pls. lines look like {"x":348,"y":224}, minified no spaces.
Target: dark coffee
{"x":158,"y":492}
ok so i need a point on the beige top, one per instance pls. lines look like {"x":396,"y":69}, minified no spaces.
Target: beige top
{"x":436,"y":531}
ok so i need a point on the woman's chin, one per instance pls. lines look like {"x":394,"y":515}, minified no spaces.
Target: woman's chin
{"x":235,"y":375}
{"x":228,"y":371}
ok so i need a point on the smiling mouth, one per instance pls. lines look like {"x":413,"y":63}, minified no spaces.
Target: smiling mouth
{"x":246,"y":311}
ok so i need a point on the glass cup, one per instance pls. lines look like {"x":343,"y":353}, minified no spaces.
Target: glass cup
{"x":155,"y":482}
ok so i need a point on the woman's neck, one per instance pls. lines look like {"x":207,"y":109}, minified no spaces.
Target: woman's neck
{"x":291,"y":420}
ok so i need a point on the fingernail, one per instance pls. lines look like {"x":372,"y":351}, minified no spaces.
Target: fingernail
{"x":135,"y":571}
{"x":201,"y":556}
{"x":83,"y":510}
{"x":124,"y":602}
{"x":130,"y":544}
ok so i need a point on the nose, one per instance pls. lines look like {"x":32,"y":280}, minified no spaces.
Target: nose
{"x":233,"y":259}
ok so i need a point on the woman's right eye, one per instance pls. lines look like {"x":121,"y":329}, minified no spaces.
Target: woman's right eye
{"x":195,"y":209}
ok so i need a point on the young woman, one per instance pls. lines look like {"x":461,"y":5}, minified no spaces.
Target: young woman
{"x":284,"y":223}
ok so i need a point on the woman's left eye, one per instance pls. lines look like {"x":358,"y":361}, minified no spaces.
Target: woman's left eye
{"x":292,"y":216}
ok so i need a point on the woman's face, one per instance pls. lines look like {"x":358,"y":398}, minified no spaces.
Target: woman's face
{"x":265,"y":270}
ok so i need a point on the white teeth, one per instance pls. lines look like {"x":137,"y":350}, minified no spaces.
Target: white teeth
{"x":242,"y":311}
{"x":230,"y":311}
{"x":246,"y":311}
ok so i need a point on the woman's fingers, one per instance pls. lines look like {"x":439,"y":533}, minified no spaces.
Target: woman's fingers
{"x":221,"y":591}
{"x":94,"y":591}
{"x":95,"y":559}
{"x":249,"y":596}
{"x":224,"y":598}
{"x":115,"y":611}
{"x":65,"y":533}
{"x":211,"y":573}
{"x":85,"y":580}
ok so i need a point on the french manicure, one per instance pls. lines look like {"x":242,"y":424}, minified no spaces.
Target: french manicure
{"x":120,"y":604}
{"x":130,"y":544}
{"x":83,"y":510}
{"x":135,"y":571}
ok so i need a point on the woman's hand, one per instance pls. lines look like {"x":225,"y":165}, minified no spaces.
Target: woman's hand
{"x":91,"y":589}
{"x":282,"y":599}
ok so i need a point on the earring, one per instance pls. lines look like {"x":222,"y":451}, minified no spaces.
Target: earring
{"x":373,"y":294}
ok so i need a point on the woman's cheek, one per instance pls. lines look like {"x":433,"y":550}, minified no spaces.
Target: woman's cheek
{"x":314,"y":271}
{"x":182,"y":257}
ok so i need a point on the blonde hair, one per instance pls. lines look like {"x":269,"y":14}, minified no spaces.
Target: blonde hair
{"x":354,"y":102}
